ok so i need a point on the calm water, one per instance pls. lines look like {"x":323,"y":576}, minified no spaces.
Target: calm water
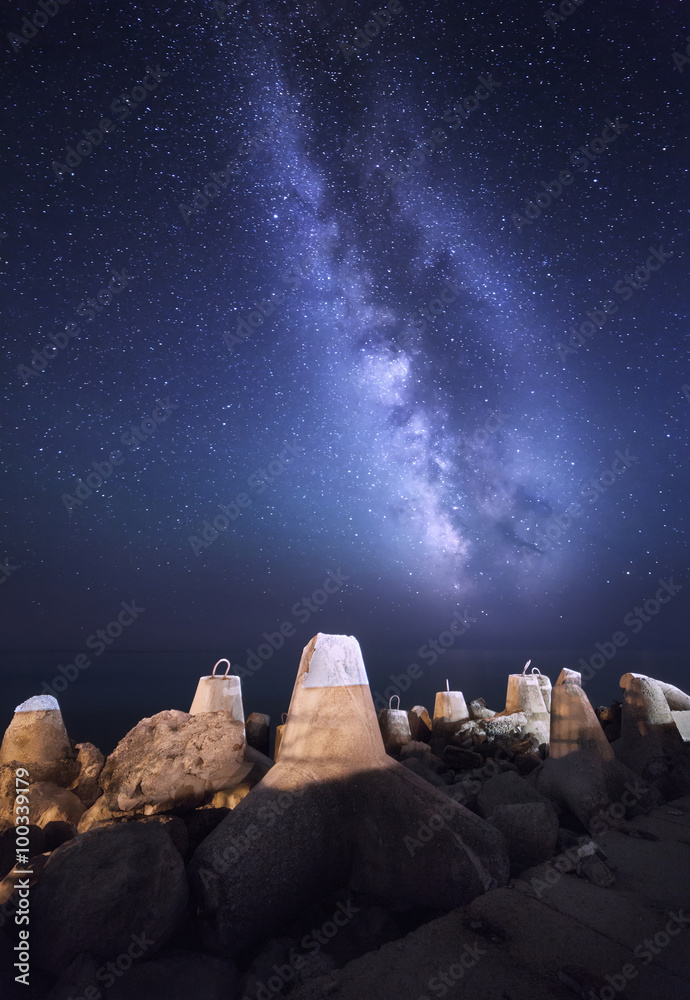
{"x":120,"y":688}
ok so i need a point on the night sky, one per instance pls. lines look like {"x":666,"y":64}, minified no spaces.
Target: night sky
{"x":467,"y":396}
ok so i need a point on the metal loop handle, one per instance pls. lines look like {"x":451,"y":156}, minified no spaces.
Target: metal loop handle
{"x":536,"y":670}
{"x":283,"y":718}
{"x":390,"y":702}
{"x":524,"y":669}
{"x":227,"y":669}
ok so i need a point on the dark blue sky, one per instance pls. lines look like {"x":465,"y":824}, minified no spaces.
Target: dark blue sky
{"x":466,"y":392}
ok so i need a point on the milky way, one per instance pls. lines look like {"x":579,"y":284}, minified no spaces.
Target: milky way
{"x":356,"y":244}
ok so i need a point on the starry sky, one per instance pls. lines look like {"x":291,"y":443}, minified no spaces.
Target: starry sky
{"x":385,"y":343}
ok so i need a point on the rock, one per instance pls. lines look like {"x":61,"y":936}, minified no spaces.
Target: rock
{"x":461,"y":760}
{"x":101,"y":890}
{"x":420,"y":724}
{"x":478,"y":709}
{"x":395,"y":729}
{"x":576,"y":783}
{"x":258,"y":731}
{"x":501,"y":725}
{"x":336,"y":812}
{"x":174,"y":760}
{"x":48,"y":803}
{"x":36,"y":734}
{"x":417,"y":767}
{"x":415,"y":749}
{"x":99,"y":815}
{"x":180,"y":975}
{"x":527,"y":762}
{"x":531,"y":831}
{"x":201,"y":822}
{"x":80,"y":976}
{"x":507,"y":789}
{"x":91,"y":761}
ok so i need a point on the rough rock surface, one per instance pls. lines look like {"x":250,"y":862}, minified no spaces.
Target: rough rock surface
{"x":174,"y":760}
{"x":101,"y":888}
{"x":91,"y":761}
{"x":531,"y":832}
{"x":48,"y":803}
{"x":503,"y":789}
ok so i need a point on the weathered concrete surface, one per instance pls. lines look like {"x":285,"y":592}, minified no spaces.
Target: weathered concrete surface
{"x":344,"y":815}
{"x":36,"y":733}
{"x":574,"y":939}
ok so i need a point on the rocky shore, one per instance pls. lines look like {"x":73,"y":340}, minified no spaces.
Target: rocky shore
{"x":540,"y":851}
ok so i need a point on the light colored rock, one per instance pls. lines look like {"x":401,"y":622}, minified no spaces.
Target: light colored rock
{"x":478,"y":709}
{"x":345,"y":814}
{"x":502,"y":725}
{"x":48,"y":803}
{"x":420,"y":724}
{"x":174,"y":760}
{"x":91,"y":761}
{"x":103,"y":887}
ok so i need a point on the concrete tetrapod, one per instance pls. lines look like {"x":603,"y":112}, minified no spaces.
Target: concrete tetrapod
{"x":219,"y":693}
{"x":525,"y":694}
{"x":346,"y":815}
{"x":36,"y":733}
{"x":581,"y":772}
{"x":652,"y":718}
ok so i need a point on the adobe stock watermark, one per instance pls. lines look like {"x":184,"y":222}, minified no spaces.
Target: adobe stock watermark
{"x":364,"y":36}
{"x":557,"y":524}
{"x":565,"y":10}
{"x":292,"y":278}
{"x":429,"y":651}
{"x":444,"y":981}
{"x":102,"y":470}
{"x":113,"y":970}
{"x":608,"y":819}
{"x":645,"y":952}
{"x":625,"y":288}
{"x":311,"y":943}
{"x":582,"y":158}
{"x":48,"y":9}
{"x":246,"y":151}
{"x":635,"y":620}
{"x":302,"y":610}
{"x":6,"y":570}
{"x":257,"y":482}
{"x":94,"y":137}
{"x":40,"y":359}
{"x":98,"y":641}
{"x":455,"y":116}
{"x":681,"y":59}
